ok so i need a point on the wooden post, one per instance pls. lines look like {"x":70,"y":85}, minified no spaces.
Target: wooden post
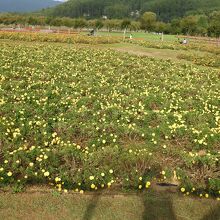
{"x":124,"y":34}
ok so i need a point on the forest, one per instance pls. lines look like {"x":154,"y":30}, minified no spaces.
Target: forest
{"x":166,"y":10}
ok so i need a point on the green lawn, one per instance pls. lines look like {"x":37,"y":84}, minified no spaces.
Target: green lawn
{"x":105,"y":206}
{"x":136,"y":35}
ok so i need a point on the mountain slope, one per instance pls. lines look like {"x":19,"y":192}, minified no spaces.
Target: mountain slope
{"x":25,"y":5}
{"x":165,"y":9}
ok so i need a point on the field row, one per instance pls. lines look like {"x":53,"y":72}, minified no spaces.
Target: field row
{"x":61,"y":38}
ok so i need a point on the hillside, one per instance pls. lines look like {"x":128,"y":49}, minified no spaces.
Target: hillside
{"x":165,"y":9}
{"x":25,"y":5}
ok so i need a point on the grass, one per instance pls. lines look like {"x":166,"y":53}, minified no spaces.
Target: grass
{"x":144,"y":51}
{"x":106,"y":206}
{"x":138,"y":35}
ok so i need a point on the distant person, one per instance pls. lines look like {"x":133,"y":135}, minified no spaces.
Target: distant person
{"x":184,"y":41}
{"x":91,"y":33}
{"x":131,"y":37}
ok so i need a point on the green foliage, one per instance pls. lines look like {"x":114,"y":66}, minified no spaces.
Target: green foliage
{"x":78,"y":118}
{"x":205,"y":60}
{"x":166,"y":10}
{"x":214,"y":28}
{"x":125,"y":24}
{"x":148,"y":21}
{"x":189,"y":25}
{"x":199,"y":24}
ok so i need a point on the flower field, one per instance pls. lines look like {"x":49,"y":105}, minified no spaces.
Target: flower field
{"x":60,"y":38}
{"x":204,"y":60}
{"x":86,"y":119}
{"x":192,"y":46}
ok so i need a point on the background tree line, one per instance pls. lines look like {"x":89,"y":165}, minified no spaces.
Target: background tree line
{"x":202,"y":25}
{"x":166,"y":10}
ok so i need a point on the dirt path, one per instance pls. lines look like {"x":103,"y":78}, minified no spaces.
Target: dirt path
{"x":149,"y":52}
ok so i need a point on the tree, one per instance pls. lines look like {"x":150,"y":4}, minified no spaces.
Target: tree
{"x":148,"y":21}
{"x":214,"y":27}
{"x":135,"y":26}
{"x":112,"y":24}
{"x":98,"y":24}
{"x":80,"y":23}
{"x":56,"y":22}
{"x":117,"y":11}
{"x":68,"y":22}
{"x":161,"y":27}
{"x":175,"y":26}
{"x":189,"y":25}
{"x":202,"y":25}
{"x":125,"y":24}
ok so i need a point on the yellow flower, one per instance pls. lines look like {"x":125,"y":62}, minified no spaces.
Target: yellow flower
{"x":140,"y":187}
{"x":102,"y":174}
{"x":31,"y":164}
{"x":182,"y":190}
{"x":140,"y":178}
{"x":148,"y":183}
{"x":9,"y":173}
{"x":207,"y":195}
{"x":57,"y":179}
{"x":59,"y":189}
{"x":92,"y":186}
{"x":163,"y":172}
{"x":54,"y":134}
{"x":46,"y":173}
{"x":91,"y":177}
{"x":111,"y":171}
